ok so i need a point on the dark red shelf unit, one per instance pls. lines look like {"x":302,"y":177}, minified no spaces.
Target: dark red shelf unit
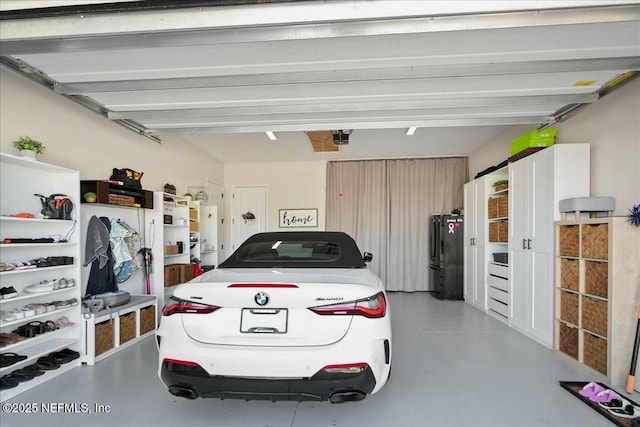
{"x":144,"y":198}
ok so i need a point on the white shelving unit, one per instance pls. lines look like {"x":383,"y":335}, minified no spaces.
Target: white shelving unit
{"x":109,"y":331}
{"x":498,"y":273}
{"x":167,"y":234}
{"x":194,"y":230}
{"x":20,"y":179}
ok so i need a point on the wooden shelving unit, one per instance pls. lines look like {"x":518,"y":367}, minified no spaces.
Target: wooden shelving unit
{"x":105,"y":189}
{"x":597,"y":292}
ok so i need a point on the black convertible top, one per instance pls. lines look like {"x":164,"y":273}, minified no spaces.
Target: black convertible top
{"x":297,"y":249}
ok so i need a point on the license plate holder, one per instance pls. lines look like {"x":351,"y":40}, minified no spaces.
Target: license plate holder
{"x":264,"y":320}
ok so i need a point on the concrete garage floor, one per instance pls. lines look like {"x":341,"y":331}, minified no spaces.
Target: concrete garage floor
{"x":452,"y":366}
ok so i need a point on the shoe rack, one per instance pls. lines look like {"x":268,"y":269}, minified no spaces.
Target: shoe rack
{"x":597,"y":293}
{"x":50,"y":317}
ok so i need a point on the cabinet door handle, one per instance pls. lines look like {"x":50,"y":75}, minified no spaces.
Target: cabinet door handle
{"x":524,"y":243}
{"x":473,"y":241}
{"x":529,"y":244}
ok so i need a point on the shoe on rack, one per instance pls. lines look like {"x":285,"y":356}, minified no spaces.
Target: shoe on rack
{"x":44,"y":286}
{"x":4,"y":266}
{"x":8,"y":359}
{"x":8,"y":292}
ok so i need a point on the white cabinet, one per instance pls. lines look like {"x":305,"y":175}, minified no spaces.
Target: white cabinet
{"x":194,"y":231}
{"x":475,"y":213}
{"x":536,"y":184}
{"x":19,"y":180}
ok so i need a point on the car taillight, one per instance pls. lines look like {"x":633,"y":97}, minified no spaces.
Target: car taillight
{"x":176,"y":305}
{"x":373,"y":307}
{"x":342,"y":371}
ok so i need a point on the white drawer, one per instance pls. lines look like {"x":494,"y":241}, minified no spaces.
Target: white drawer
{"x":497,"y":294}
{"x":498,"y":307}
{"x":498,"y":270}
{"x":498,"y":282}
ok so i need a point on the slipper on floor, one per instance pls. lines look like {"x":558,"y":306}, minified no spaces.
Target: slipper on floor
{"x":628,"y":411}
{"x":591,"y":389}
{"x":604,"y":396}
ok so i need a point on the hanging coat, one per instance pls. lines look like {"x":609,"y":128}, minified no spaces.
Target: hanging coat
{"x":98,"y":250}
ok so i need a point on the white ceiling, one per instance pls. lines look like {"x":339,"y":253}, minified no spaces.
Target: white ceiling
{"x":220,"y":76}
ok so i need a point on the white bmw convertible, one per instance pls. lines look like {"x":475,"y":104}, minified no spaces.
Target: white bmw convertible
{"x":289,"y":316}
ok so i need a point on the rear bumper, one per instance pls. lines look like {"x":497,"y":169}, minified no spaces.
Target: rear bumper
{"x":193,"y":381}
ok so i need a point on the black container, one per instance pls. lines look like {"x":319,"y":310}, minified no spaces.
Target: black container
{"x":501,"y":257}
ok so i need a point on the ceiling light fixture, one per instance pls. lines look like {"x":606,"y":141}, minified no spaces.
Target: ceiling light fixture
{"x":411,"y":131}
{"x":271,"y":135}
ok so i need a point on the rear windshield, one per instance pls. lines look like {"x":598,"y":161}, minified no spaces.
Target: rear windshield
{"x":307,"y":251}
{"x":297,"y":249}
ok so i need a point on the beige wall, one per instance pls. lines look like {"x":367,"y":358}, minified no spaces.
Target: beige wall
{"x":612,"y":128}
{"x":81,"y":139}
{"x":289,"y":185}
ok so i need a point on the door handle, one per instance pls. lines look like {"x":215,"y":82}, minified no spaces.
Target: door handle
{"x":529,"y":244}
{"x":524,"y":243}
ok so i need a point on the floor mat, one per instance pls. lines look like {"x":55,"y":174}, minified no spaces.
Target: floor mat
{"x":574,"y":387}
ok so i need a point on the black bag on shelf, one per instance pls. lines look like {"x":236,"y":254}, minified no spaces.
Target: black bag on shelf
{"x":128,"y":177}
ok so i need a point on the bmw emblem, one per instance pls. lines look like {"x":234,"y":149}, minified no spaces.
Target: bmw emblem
{"x":261,"y":298}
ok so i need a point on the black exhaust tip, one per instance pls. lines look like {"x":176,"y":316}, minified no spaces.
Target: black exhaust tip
{"x":181,"y":391}
{"x":347,"y":396}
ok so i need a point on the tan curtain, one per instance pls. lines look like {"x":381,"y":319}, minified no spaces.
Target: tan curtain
{"x":385,"y":206}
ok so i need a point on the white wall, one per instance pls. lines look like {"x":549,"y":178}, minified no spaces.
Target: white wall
{"x":289,"y":185}
{"x":81,"y":139}
{"x":612,"y":128}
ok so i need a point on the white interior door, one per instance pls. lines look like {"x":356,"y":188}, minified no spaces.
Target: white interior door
{"x":246,"y":201}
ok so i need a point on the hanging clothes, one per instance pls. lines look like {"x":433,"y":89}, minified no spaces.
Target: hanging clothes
{"x":98,"y":253}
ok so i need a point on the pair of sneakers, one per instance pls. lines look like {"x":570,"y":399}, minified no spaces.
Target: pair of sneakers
{"x":7,"y":292}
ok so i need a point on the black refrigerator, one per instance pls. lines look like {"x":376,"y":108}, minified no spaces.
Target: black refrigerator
{"x":446,"y":270}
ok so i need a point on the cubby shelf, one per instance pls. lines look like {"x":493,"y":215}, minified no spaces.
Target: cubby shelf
{"x":596,"y":261}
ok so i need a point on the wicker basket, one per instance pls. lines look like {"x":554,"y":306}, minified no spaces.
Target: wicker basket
{"x":147,"y":319}
{"x":503,"y":231}
{"x":120,"y":200}
{"x":569,"y":307}
{"x":594,"y":316}
{"x":569,"y":240}
{"x":595,"y":241}
{"x":569,"y":274}
{"x":595,"y":353}
{"x":104,"y":337}
{"x":596,"y":278}
{"x":492,"y":208}
{"x":500,"y":187}
{"x":568,"y":340}
{"x":503,"y":207}
{"x":127,"y":327}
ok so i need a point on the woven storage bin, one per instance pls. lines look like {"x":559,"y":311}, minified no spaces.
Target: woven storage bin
{"x":568,"y":340}
{"x":595,"y":353}
{"x":120,"y":200}
{"x":595,"y":241}
{"x":104,"y":337}
{"x":492,"y":208}
{"x":171,"y":275}
{"x":127,"y":327}
{"x":503,"y":207}
{"x":500,"y":187}
{"x":569,"y":240}
{"x":569,"y":274}
{"x":147,"y":319}
{"x":594,"y":316}
{"x":493,"y":232}
{"x":503,"y":231}
{"x":569,"y":307}
{"x":596,"y":280}
{"x":171,"y":249}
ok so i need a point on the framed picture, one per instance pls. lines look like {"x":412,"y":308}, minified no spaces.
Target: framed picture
{"x":298,"y":218}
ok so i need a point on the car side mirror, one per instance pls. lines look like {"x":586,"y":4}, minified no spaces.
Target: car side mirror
{"x":367,"y":257}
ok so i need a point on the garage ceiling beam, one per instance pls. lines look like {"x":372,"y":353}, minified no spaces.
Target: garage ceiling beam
{"x":194,"y":26}
{"x":377,"y":75}
{"x":358,"y":106}
{"x":352,"y":125}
